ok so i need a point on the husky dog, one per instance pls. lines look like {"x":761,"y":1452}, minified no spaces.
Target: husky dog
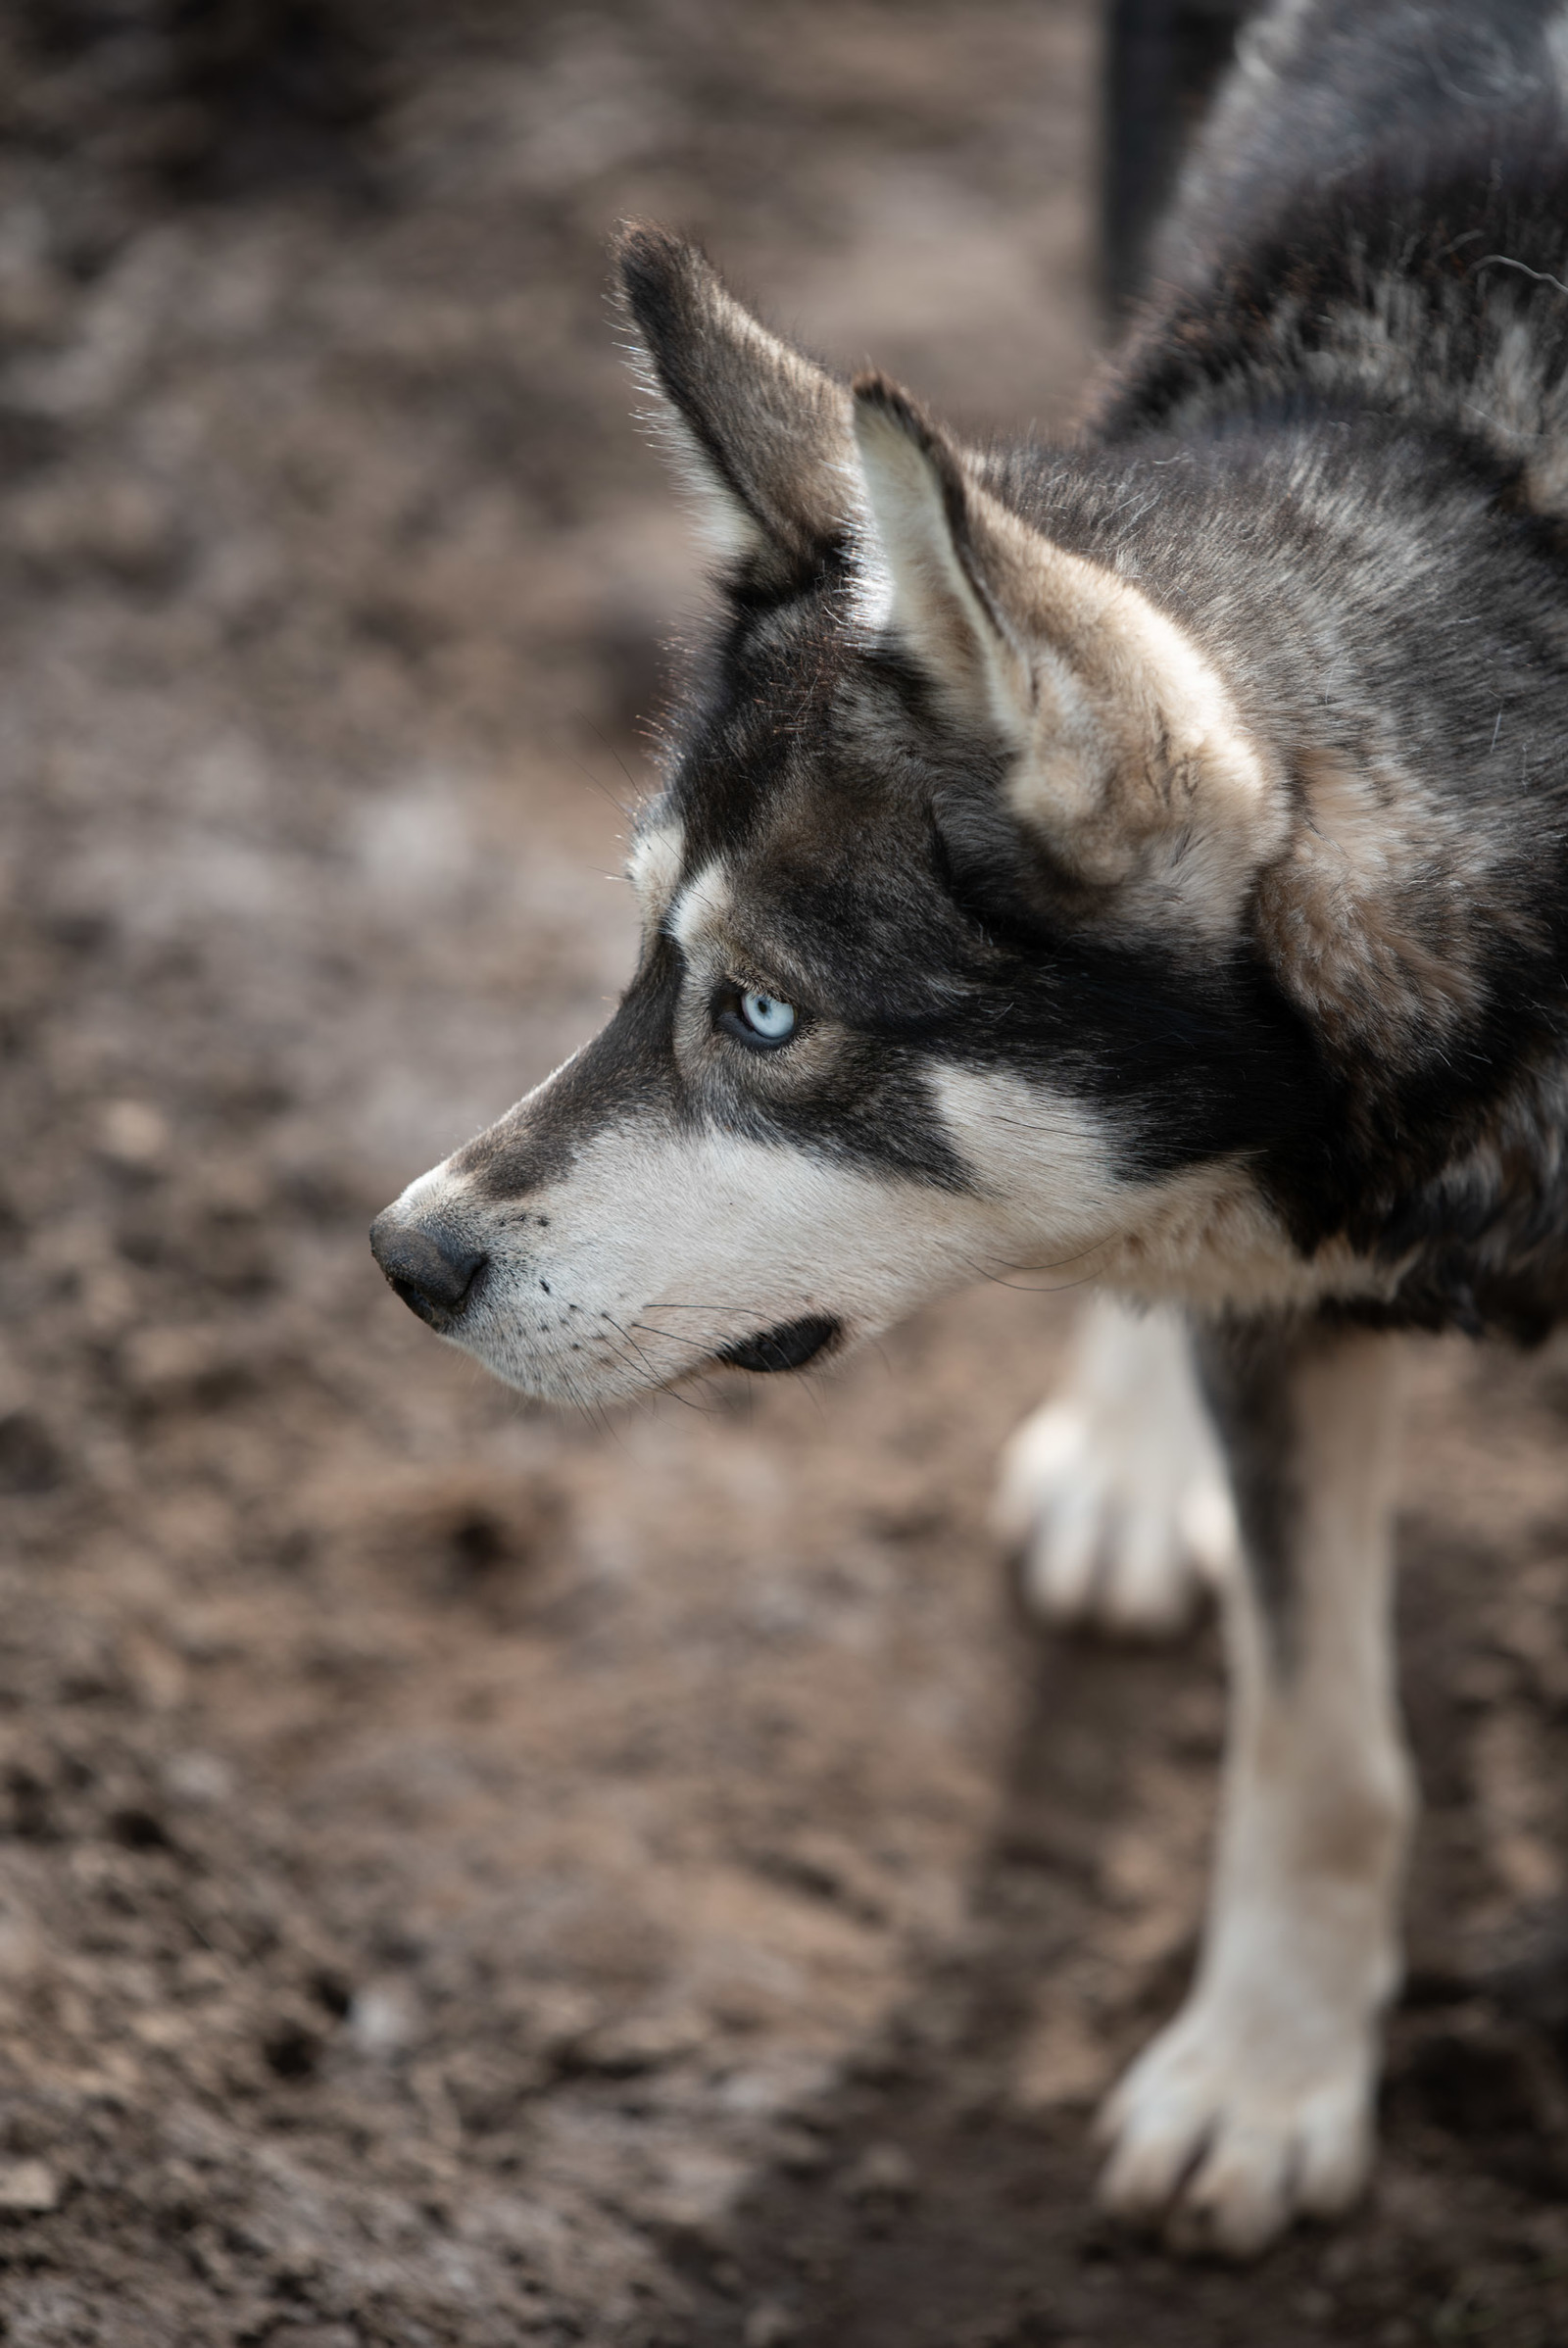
{"x":1146,"y":857}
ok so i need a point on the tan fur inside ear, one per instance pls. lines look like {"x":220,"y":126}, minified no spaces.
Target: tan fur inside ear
{"x":1140,"y":773}
{"x":1131,"y":762}
{"x":916,"y":585}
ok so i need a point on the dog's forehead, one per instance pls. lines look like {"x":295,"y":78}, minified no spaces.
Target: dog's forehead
{"x":803,"y":754}
{"x":796,"y":838}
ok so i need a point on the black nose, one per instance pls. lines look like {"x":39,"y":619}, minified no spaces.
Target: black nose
{"x":432,"y":1270}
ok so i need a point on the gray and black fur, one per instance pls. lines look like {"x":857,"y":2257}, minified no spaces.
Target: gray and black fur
{"x":1294,"y":459}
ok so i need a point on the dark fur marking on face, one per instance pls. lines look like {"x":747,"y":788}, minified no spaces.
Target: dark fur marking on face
{"x":870,"y":857}
{"x":1196,"y":1060}
{"x":627,"y":1071}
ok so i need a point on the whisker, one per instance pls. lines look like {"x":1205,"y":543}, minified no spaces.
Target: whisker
{"x":602,"y":789}
{"x":672,"y":1338}
{"x":605,"y":742}
{"x":655,"y":1384}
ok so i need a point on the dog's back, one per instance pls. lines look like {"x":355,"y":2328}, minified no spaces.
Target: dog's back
{"x":1367,"y":245}
{"x":1370,"y":179}
{"x":1324,"y":92}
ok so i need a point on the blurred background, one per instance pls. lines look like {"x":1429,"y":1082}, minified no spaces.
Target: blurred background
{"x":469,"y":1876}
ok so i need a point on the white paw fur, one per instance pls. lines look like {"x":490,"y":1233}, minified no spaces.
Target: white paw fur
{"x":1114,"y":1491}
{"x":1255,"y":2105}
{"x":1242,"y":2115}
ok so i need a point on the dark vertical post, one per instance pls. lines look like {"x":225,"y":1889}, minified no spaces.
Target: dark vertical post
{"x":1162,"y":59}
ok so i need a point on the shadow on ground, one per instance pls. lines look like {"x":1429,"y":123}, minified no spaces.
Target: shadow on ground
{"x":938,"y":2197}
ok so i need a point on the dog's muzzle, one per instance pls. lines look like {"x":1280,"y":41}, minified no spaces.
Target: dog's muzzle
{"x":435,"y":1272}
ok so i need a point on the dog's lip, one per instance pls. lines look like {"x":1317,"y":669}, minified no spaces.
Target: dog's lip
{"x":789,"y":1346}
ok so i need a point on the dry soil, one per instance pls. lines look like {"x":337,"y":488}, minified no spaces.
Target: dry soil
{"x":467,"y":1876}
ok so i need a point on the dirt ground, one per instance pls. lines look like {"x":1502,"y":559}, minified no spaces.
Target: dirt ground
{"x":466,"y":1876}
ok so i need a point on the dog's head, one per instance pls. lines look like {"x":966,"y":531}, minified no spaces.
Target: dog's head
{"x":939,"y":908}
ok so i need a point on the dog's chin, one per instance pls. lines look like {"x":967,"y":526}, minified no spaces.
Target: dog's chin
{"x":787,"y":1345}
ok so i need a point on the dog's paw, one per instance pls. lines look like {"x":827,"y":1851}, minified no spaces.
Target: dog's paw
{"x":1114,"y":1493}
{"x":1115,"y":1527}
{"x":1226,"y":2128}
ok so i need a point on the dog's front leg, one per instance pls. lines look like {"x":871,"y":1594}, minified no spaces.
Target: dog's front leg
{"x":1255,"y":2104}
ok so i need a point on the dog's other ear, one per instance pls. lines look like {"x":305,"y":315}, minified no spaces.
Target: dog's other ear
{"x":1127,"y":759}
{"x":763,"y":433}
{"x":925,"y":571}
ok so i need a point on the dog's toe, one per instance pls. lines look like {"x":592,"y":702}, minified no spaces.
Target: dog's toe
{"x":1240,"y":2194}
{"x":1222,"y":2145}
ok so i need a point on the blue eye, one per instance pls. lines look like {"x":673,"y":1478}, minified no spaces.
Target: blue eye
{"x":768,"y":1020}
{"x":760,"y":1021}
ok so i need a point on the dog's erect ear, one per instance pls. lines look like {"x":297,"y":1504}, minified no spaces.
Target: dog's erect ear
{"x":765,"y":433}
{"x":1127,"y":759}
{"x":927,"y":576}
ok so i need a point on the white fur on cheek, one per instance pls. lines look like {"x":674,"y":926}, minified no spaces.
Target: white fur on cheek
{"x":660,"y":1248}
{"x":1049,"y":1158}
{"x":1202,"y":1236}
{"x":661,"y":1245}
